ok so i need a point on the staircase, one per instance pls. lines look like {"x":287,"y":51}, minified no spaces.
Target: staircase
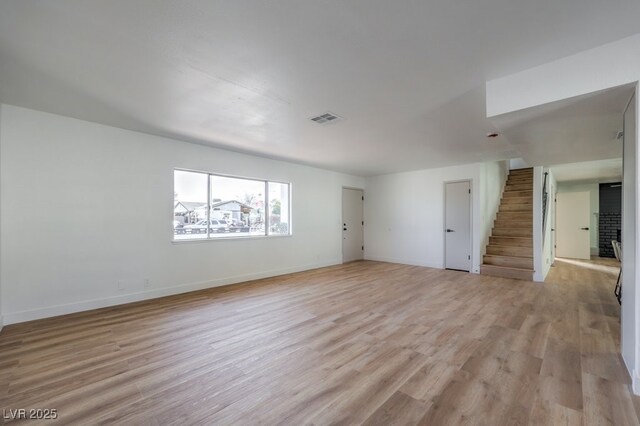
{"x":510,"y":249}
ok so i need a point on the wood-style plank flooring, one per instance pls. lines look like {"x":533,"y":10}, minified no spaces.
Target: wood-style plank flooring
{"x":362,"y":343}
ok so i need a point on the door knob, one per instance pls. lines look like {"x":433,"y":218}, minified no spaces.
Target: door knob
{"x":585,"y":229}
{"x":450,"y":230}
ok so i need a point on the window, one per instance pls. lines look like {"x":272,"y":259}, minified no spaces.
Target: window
{"x":190,"y":204}
{"x":278,"y":208}
{"x":209,"y":206}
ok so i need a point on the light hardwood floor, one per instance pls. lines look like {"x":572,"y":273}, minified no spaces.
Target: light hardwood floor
{"x":366,"y":342}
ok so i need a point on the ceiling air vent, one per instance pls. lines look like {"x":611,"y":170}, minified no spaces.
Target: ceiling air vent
{"x":327,"y":117}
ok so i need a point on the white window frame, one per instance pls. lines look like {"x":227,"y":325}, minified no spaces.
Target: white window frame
{"x":267,"y":224}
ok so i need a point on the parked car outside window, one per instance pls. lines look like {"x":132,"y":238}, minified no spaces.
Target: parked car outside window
{"x":200,"y":227}
{"x":178,"y":227}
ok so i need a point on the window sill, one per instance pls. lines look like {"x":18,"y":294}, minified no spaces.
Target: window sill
{"x":234,"y":238}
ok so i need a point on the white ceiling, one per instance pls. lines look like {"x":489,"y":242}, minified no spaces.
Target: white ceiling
{"x":573,"y":130}
{"x":408,"y":76}
{"x":594,"y":171}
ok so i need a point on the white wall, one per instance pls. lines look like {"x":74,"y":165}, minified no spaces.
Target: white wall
{"x":607,"y":66}
{"x":630,"y":323}
{"x":538,"y":250}
{"x":633,"y":304}
{"x":518,"y":163}
{"x":613,"y":64}
{"x":594,"y":209}
{"x":405,"y":213}
{"x":493,"y":176}
{"x":1,"y":317}
{"x":548,"y":252}
{"x":86,"y":205}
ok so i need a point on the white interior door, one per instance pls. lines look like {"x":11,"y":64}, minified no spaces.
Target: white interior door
{"x":457,"y":211}
{"x":352,"y":225}
{"x":572,"y":225}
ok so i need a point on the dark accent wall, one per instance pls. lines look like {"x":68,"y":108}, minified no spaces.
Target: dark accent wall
{"x":610,"y":221}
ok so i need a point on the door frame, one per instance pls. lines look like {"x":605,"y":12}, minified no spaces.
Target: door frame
{"x":444,"y":222}
{"x":342,"y":218}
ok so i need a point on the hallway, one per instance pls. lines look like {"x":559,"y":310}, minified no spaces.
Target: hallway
{"x":585,"y":338}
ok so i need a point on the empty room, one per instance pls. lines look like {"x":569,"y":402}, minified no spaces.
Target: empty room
{"x":293,"y":212}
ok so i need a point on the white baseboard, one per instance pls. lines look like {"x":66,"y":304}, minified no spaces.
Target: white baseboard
{"x":86,"y":305}
{"x":539,"y":276}
{"x":412,"y":262}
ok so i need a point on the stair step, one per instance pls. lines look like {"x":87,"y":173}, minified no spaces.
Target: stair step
{"x":520,"y":179}
{"x":517,"y":194}
{"x":511,"y":241}
{"x":506,"y":272}
{"x":510,"y":251}
{"x":517,"y":200}
{"x":525,"y":171}
{"x":512,"y":225}
{"x":504,"y":208}
{"x":509,"y":261}
{"x":528,"y":182}
{"x":519,"y":216}
{"x":521,"y":176}
{"x":519,"y":187}
{"x":513,"y":232}
{"x":505,"y":227}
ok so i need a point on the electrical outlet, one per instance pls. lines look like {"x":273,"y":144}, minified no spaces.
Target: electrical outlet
{"x":147,"y":283}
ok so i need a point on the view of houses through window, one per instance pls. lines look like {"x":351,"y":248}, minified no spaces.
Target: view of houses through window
{"x":213,"y":206}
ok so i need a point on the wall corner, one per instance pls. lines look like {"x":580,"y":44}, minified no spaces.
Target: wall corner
{"x":635,"y":382}
{"x":538,"y":274}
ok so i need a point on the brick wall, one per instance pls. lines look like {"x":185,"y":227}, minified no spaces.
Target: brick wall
{"x":610,"y":221}
{"x":610,"y":224}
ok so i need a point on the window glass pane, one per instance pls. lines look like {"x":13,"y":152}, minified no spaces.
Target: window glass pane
{"x":238,"y":204}
{"x":189,"y":205}
{"x":279,"y":220}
